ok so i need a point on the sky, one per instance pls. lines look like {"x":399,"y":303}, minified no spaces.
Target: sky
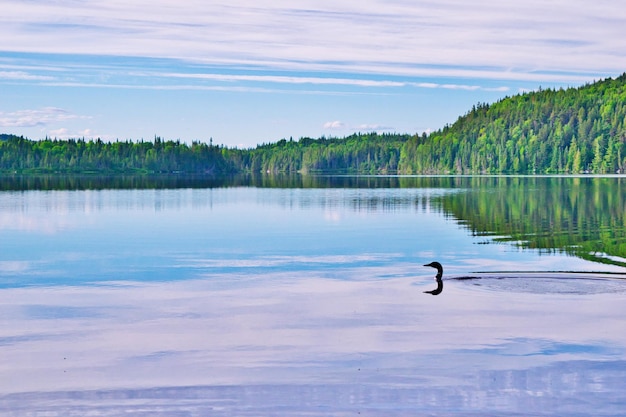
{"x":243,"y":72}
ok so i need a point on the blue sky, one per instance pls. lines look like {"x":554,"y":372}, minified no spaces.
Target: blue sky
{"x":246,"y":72}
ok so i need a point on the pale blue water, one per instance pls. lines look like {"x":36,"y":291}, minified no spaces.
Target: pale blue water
{"x":290,"y":301}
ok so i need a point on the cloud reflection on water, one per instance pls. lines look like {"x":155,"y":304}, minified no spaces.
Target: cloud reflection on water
{"x":277,"y":261}
{"x":379,"y":342}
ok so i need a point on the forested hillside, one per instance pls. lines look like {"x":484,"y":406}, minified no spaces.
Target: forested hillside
{"x":549,"y":131}
{"x":571,"y":131}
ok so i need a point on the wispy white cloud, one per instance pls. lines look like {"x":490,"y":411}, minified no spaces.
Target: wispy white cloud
{"x":458,"y":87}
{"x":335,"y":125}
{"x":256,"y":83}
{"x":294,"y":79}
{"x":478,"y":38}
{"x":290,"y":79}
{"x":87,"y":133}
{"x":14,"y":267}
{"x":37,"y":117}
{"x":369,"y":127}
{"x":59,"y":133}
{"x":67,"y":133}
{"x":22,"y":75}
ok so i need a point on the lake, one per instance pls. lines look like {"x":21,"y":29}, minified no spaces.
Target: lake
{"x":248,"y":296}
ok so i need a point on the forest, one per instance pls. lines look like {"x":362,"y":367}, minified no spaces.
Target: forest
{"x":574,"y":130}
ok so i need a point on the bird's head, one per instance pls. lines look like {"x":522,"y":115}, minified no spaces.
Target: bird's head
{"x":435,"y":265}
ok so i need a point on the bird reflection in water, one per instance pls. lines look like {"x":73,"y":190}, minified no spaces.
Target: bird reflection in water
{"x":439,"y":288}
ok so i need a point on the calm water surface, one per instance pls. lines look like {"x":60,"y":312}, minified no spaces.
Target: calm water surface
{"x":306,"y":296}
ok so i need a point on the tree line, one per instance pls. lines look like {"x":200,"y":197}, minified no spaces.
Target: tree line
{"x":18,"y":154}
{"x":572,"y":130}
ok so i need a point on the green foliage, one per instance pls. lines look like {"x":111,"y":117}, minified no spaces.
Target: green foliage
{"x":18,"y":154}
{"x":359,"y":154}
{"x":549,"y":131}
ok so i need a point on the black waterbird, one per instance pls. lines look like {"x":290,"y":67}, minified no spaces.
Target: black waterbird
{"x":439,"y":288}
